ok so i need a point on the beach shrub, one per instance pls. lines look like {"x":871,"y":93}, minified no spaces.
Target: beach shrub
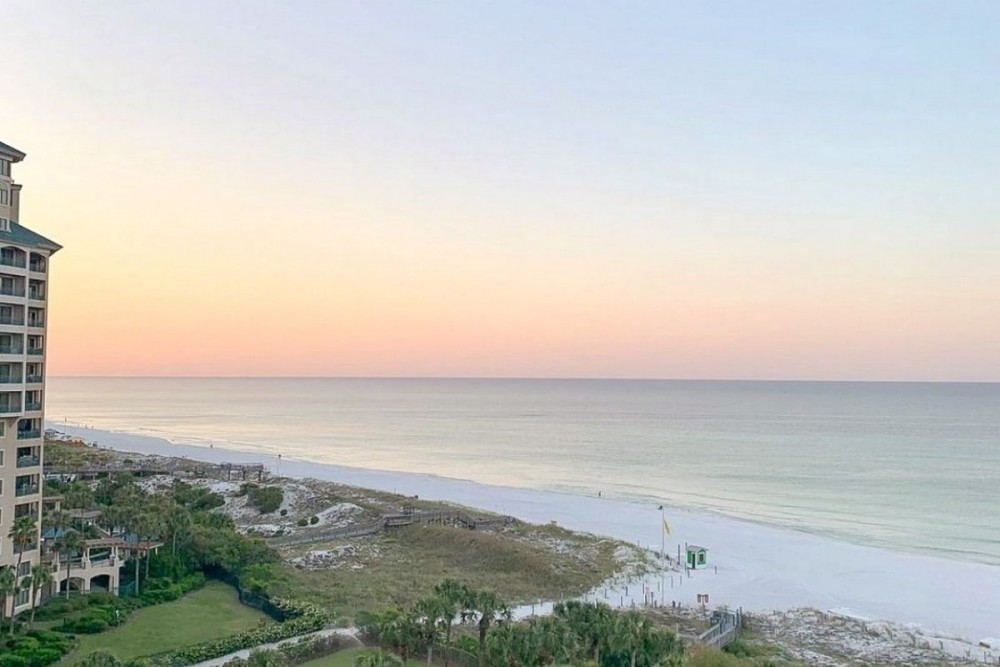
{"x":283,"y":512}
{"x":302,"y":522}
{"x":313,"y":520}
{"x":267,"y":499}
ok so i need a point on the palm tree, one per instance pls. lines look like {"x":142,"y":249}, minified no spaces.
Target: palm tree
{"x":490,"y":608}
{"x":23,"y":533}
{"x":178,"y":520}
{"x":8,"y":586}
{"x":553,"y":641}
{"x":453,"y":596}
{"x":430,"y":613}
{"x":41,"y":576}
{"x":70,"y":542}
{"x":591,"y":622}
{"x":377,"y":658}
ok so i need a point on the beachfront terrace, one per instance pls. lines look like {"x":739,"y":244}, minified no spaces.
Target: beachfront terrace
{"x":26,"y":485}
{"x":11,"y":314}
{"x":13,"y":257}
{"x":36,"y":289}
{"x":10,"y":402}
{"x":29,"y":457}
{"x":35,"y":345}
{"x":11,"y":373}
{"x":12,"y":285}
{"x":29,"y":429}
{"x":11,"y":343}
{"x":37,"y":263}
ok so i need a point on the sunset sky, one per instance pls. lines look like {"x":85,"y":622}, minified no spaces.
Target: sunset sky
{"x":689,"y":189}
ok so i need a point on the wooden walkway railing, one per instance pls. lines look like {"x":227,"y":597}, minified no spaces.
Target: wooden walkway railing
{"x":394,"y":521}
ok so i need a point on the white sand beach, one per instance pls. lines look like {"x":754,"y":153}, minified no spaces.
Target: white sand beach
{"x":758,"y":567}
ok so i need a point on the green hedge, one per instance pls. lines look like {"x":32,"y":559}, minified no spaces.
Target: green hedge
{"x":302,"y":619}
{"x":36,"y":648}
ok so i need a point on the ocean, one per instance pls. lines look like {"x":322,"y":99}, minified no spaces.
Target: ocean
{"x":910,"y":467}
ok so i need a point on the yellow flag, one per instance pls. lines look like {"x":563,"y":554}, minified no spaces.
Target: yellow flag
{"x":666,"y":527}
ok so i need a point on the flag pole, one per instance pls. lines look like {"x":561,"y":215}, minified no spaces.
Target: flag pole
{"x":663,"y":533}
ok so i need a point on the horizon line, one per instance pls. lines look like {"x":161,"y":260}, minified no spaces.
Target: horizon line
{"x":512,"y":378}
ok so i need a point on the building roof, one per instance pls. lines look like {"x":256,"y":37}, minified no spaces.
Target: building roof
{"x":21,"y":235}
{"x":10,"y":151}
{"x":695,"y":547}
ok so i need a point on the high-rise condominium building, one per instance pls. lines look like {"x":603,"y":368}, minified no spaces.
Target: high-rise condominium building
{"x":24,"y":286}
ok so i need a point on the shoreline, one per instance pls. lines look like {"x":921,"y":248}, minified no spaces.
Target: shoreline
{"x":760,"y":567}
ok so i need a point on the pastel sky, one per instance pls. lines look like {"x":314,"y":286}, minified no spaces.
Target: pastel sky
{"x":691,"y":189}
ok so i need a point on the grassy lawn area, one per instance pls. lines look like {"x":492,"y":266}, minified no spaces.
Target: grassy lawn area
{"x":208,"y":613}
{"x":346,"y":658}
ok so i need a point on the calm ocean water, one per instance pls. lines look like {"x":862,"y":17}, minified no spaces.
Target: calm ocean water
{"x":907,"y":466}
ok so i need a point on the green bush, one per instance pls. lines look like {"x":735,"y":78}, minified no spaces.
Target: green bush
{"x":302,"y":522}
{"x":313,"y":520}
{"x":266,"y":498}
{"x":36,"y":648}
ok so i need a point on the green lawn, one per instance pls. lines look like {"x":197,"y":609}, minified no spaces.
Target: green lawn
{"x":345,"y":658}
{"x":208,"y":613}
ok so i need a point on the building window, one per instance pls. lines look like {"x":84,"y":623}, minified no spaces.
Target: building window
{"x":4,"y":225}
{"x":4,"y":197}
{"x":24,"y":596}
{"x":4,"y":167}
{"x":3,"y":432}
{"x":24,"y":569}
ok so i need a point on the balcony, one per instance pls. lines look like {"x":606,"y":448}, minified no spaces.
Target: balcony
{"x":11,"y":349}
{"x":37,"y":323}
{"x":10,"y":379}
{"x":11,"y":320}
{"x":25,"y":489}
{"x":8,"y":290}
{"x":16,"y":262}
{"x":9,"y":408}
{"x":32,"y":407}
{"x":37,"y":267}
{"x":28,"y":461}
{"x":36,"y":294}
{"x":36,"y":351}
{"x":29,"y":435}
{"x":33,"y":379}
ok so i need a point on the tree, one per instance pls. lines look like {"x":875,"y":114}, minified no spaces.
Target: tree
{"x":430,"y":618}
{"x":8,"y":588}
{"x":453,"y":596}
{"x":69,"y":543}
{"x":489,"y":609}
{"x":23,"y":533}
{"x":592,"y":623}
{"x":41,"y":576}
{"x":377,"y":658}
{"x":551,"y":640}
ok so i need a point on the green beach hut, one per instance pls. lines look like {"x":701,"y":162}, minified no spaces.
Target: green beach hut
{"x":697,"y":557}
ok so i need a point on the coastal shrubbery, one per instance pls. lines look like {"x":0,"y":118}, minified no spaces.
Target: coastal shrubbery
{"x":576,"y":632}
{"x":35,"y":648}
{"x":267,"y":499}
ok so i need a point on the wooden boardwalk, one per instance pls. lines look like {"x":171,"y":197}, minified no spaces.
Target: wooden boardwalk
{"x":394,"y":521}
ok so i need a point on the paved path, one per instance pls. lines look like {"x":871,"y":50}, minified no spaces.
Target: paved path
{"x":344,"y":632}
